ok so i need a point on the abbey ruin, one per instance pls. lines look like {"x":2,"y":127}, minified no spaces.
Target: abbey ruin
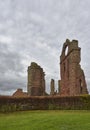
{"x":72,"y":81}
{"x":72,"y":91}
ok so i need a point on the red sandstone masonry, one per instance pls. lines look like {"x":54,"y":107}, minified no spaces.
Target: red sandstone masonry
{"x":36,"y":81}
{"x":72,"y":76}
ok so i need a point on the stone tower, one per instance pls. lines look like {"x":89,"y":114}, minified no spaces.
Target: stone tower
{"x":72,"y":76}
{"x":52,"y":86}
{"x":36,"y":81}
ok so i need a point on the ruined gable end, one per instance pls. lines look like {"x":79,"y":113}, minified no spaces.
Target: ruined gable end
{"x":72,"y":76}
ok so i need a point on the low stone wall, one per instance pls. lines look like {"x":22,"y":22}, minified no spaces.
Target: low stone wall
{"x":9,"y":104}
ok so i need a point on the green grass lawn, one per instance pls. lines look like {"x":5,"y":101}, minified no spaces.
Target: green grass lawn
{"x":46,"y":120}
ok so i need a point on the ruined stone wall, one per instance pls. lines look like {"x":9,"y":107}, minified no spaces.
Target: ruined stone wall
{"x":19,"y":93}
{"x":36,"y":81}
{"x":72,"y":76}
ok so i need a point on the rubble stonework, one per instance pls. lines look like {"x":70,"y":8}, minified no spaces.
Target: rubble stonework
{"x":36,"y":81}
{"x":52,"y":87}
{"x":72,"y":76}
{"x":19,"y":93}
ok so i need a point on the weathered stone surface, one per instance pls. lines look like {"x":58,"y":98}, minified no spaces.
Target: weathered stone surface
{"x":52,"y":87}
{"x":19,"y":93}
{"x":36,"y":81}
{"x":72,"y":76}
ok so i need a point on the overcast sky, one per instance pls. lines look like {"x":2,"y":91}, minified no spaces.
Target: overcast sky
{"x":35,"y":30}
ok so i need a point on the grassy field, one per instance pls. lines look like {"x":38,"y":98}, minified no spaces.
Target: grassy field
{"x":46,"y":120}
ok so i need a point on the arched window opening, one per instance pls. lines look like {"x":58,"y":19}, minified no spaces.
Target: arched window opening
{"x":64,"y":67}
{"x":66,"y":50}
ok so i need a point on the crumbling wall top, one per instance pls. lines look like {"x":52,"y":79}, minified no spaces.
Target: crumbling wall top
{"x":68,"y":46}
{"x":35,"y":66}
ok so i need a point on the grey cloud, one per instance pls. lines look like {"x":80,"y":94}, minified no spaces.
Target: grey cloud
{"x":37,"y":30}
{"x":11,"y":69}
{"x":9,"y":60}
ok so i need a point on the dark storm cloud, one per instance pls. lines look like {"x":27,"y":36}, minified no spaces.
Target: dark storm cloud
{"x":35,"y":30}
